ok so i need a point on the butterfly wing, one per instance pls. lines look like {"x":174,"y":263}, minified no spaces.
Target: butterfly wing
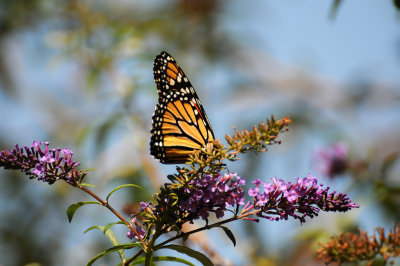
{"x":180,"y":124}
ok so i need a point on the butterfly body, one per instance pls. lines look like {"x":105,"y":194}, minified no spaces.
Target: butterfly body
{"x":180,"y":124}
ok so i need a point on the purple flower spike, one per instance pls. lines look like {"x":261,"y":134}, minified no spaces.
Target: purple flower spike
{"x":212,"y":194}
{"x":282,"y":199}
{"x":45,"y":165}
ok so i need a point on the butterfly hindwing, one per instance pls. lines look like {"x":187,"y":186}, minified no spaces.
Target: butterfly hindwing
{"x":180,"y":124}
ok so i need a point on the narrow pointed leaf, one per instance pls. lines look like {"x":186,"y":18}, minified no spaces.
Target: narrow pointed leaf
{"x":113,"y":249}
{"x":191,"y":253}
{"x":229,"y":233}
{"x":113,"y":239}
{"x":108,"y":226}
{"x":334,"y":8}
{"x":87,"y":185}
{"x":74,"y":207}
{"x":111,"y":236}
{"x":388,"y":162}
{"x":141,"y":260}
{"x":119,"y":187}
{"x":94,"y":227}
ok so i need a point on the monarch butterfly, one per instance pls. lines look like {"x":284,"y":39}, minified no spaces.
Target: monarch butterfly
{"x":179,"y":124}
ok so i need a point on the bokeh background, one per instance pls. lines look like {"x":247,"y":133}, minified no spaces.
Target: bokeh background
{"x":78,"y":73}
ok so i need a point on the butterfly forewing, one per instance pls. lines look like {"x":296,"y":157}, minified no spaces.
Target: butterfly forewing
{"x":180,"y":124}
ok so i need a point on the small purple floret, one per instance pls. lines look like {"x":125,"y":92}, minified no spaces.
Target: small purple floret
{"x":47,"y":159}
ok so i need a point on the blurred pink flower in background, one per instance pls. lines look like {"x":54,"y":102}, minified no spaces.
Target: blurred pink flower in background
{"x":332,"y":160}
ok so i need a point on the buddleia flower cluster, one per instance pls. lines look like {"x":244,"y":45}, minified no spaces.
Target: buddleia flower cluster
{"x":48,"y":165}
{"x":212,"y":194}
{"x":362,"y":246}
{"x":207,"y":194}
{"x":280,"y":199}
{"x":198,"y":199}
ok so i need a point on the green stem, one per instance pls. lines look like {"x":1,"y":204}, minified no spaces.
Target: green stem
{"x":207,"y":227}
{"x":133,"y":258}
{"x":150,"y":249}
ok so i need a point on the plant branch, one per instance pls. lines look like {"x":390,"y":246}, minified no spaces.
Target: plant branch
{"x":133,"y":258}
{"x":207,"y":227}
{"x":105,"y":204}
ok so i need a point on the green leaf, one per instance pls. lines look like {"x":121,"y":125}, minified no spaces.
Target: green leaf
{"x":89,"y":169}
{"x":141,"y":260}
{"x":108,"y":226}
{"x":229,"y":233}
{"x":138,"y":260}
{"x":388,"y":162}
{"x":87,"y":185}
{"x":113,"y":239}
{"x":111,"y":236}
{"x":334,"y":8}
{"x":94,"y":227}
{"x":192,"y":253}
{"x":396,"y":3}
{"x":119,"y":187}
{"x":74,"y":207}
{"x":113,"y":249}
